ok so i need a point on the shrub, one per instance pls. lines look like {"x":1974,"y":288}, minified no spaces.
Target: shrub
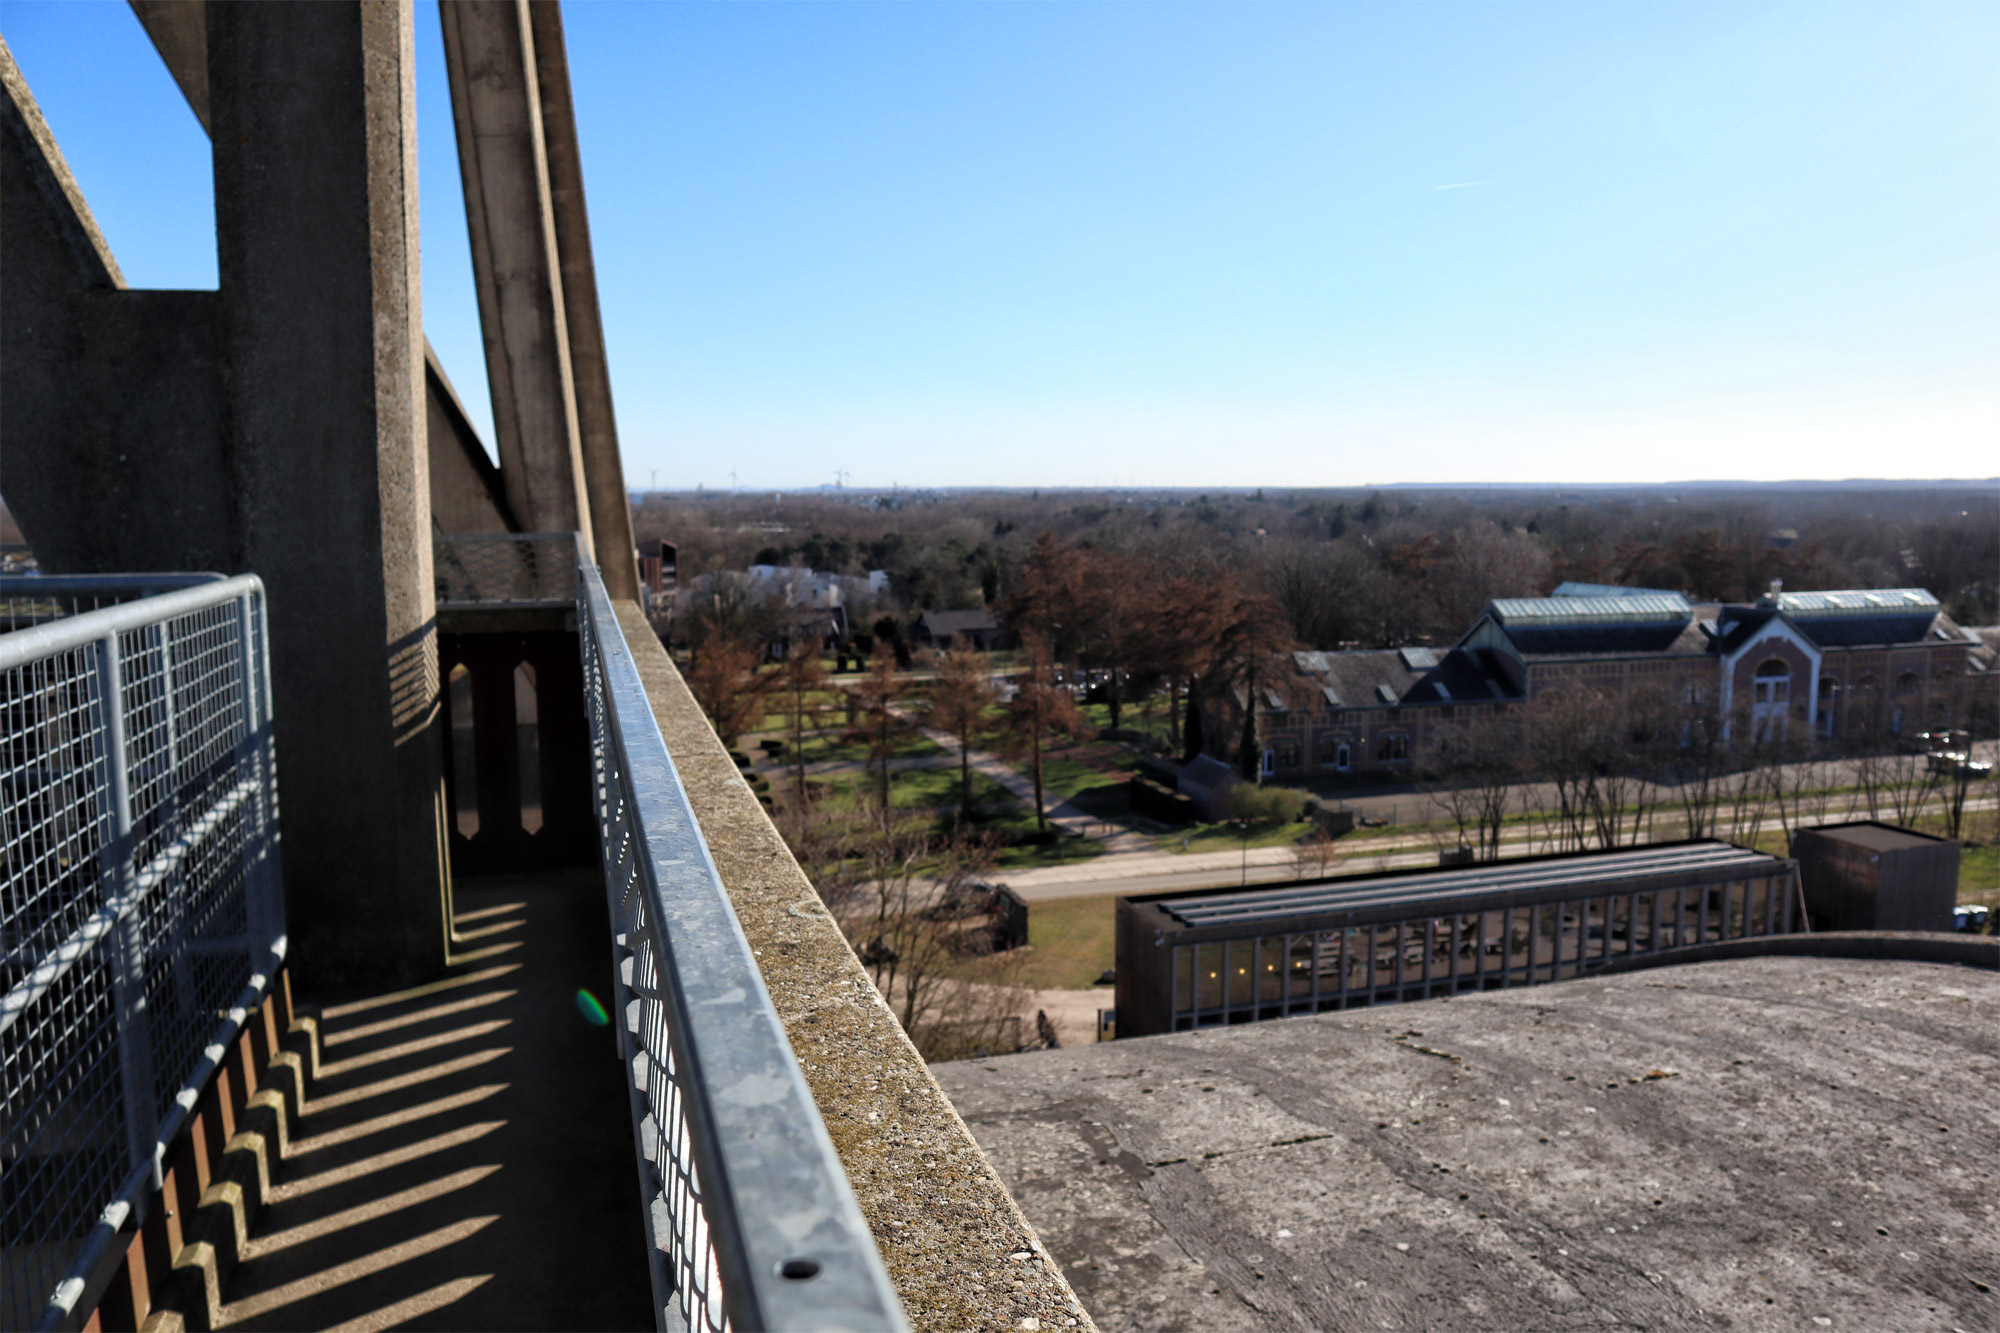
{"x":1266,"y":807}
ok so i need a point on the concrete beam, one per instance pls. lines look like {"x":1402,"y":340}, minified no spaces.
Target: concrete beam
{"x":467,"y":494}
{"x":490,"y":61}
{"x":314,"y":129}
{"x":590,"y":371}
{"x":179,"y":29}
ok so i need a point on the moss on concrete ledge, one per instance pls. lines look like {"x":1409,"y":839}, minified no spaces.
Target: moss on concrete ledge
{"x":957,"y":1247}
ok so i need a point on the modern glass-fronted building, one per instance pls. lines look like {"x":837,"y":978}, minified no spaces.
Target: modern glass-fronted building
{"x":1206,"y":957}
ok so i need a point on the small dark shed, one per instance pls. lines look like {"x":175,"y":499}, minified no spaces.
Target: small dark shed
{"x":1873,"y":876}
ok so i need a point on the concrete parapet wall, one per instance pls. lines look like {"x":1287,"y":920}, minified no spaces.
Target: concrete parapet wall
{"x":946,"y":1225}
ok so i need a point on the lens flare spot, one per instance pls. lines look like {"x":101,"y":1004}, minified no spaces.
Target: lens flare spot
{"x":593,"y":1012}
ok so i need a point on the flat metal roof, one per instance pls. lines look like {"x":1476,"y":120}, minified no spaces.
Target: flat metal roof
{"x":1443,"y":886}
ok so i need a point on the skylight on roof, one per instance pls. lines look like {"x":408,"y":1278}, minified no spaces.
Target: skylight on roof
{"x":1859,"y":602}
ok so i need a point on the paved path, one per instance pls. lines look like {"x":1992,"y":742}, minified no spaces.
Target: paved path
{"x":1155,"y":871}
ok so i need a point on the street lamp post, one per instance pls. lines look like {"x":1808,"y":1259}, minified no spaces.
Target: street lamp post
{"x":1243,"y":841}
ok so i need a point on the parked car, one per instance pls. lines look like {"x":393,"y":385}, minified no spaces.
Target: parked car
{"x":1955,"y":763}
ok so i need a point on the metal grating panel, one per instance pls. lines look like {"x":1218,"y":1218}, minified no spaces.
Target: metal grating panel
{"x":506,"y":571}
{"x":140,"y":905}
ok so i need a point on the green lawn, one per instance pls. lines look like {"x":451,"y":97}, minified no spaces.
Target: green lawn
{"x":1027,"y":856}
{"x":913,"y":787}
{"x":1073,"y":942}
{"x":1979,"y":875}
{"x":910,"y":744}
{"x":1066,"y":777}
{"x":1226,"y":838}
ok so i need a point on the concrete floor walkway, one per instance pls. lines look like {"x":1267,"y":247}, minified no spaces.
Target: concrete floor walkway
{"x":465,"y":1159}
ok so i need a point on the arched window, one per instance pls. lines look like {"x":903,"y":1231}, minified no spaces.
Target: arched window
{"x":1342,"y":756}
{"x":1770,"y":701}
{"x":1907,"y":684}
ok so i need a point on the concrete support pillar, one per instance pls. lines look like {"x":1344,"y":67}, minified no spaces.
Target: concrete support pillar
{"x":590,"y":372}
{"x":490,"y":61}
{"x":312,"y":108}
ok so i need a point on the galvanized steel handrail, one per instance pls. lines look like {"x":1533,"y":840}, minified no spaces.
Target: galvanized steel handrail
{"x":142,"y":916}
{"x":752,"y":1221}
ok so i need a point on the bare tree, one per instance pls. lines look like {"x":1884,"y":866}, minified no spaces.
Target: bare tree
{"x":960,"y":698}
{"x":1313,"y":856}
{"x":1039,"y":708}
{"x":726,"y":683}
{"x":801,"y":677}
{"x":1473,"y":783}
{"x":875,"y":698}
{"x":911,"y":905}
{"x":1563,"y":753}
{"x":1908,"y":783}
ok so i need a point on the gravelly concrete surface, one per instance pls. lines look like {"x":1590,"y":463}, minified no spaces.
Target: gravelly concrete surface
{"x":1774,"y":1143}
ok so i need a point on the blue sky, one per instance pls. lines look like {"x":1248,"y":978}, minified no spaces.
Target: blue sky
{"x":1219,"y":244}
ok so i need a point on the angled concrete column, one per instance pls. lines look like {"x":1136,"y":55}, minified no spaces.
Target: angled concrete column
{"x":179,"y":31}
{"x":312,"y":110}
{"x":603,"y":469}
{"x":490,"y":61}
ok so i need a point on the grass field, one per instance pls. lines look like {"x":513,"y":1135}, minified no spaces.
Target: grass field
{"x":1073,"y":942}
{"x":1028,"y":856}
{"x":1979,"y":875}
{"x":912,"y":787}
{"x":1225,"y":838}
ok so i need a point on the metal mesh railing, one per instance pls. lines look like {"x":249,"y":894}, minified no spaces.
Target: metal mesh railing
{"x":750,"y":1215}
{"x":506,"y":570}
{"x":140,"y":908}
{"x":27,"y":601}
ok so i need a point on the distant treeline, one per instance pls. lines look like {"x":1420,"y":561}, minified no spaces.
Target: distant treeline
{"x":1371,"y":568}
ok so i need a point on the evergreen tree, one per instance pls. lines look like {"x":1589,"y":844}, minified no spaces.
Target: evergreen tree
{"x":1249,"y":762}
{"x":1192,"y":730}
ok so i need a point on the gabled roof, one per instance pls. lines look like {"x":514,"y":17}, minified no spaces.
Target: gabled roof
{"x":1462,"y":676}
{"x":1206,"y":772}
{"x":1377,"y":678}
{"x":1356,"y":679}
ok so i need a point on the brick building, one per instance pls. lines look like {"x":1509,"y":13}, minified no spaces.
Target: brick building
{"x":1848,"y":665}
